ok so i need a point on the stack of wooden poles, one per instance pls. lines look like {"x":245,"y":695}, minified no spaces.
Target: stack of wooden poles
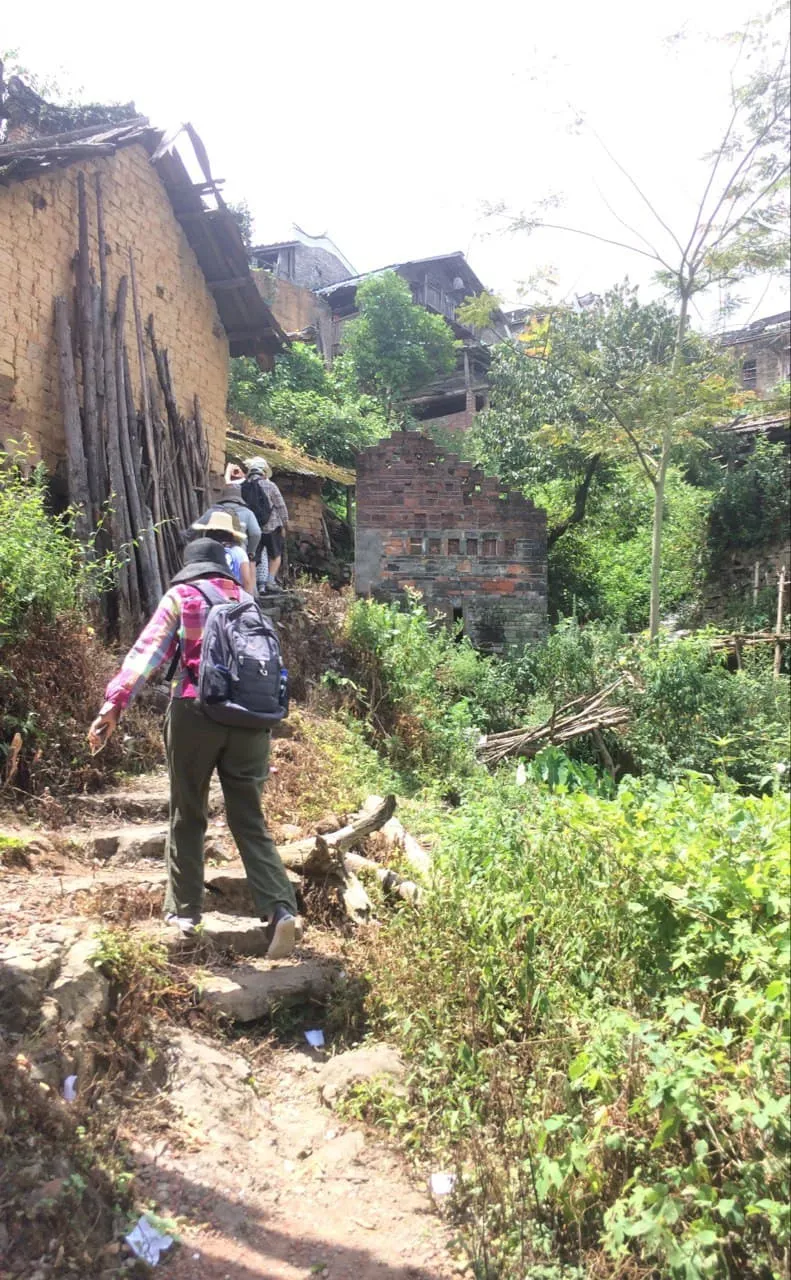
{"x":138,"y":474}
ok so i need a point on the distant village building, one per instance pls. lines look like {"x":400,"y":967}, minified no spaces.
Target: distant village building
{"x":439,"y":284}
{"x":763,"y":351}
{"x":288,"y":274}
{"x":429,"y":521}
{"x":312,"y":290}
{"x":192,"y":271}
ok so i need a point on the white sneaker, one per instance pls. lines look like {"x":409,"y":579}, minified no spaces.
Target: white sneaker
{"x":185,"y":924}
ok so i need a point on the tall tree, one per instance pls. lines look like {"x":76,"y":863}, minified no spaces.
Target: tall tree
{"x":394,"y":347}
{"x":738,"y":228}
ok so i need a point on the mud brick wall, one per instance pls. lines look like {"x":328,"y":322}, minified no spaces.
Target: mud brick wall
{"x":428,"y":520}
{"x":38,"y":241}
{"x":302,"y":496}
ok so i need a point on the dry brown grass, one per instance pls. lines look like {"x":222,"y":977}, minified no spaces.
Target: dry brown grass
{"x":52,"y":681}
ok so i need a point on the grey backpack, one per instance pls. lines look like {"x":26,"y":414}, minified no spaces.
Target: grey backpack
{"x":241,"y":680}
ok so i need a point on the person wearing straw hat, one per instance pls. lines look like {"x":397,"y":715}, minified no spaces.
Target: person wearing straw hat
{"x":223,"y":527}
{"x":197,"y":745}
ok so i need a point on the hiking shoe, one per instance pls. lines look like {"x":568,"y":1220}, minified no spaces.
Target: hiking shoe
{"x":283,"y":933}
{"x":185,"y":924}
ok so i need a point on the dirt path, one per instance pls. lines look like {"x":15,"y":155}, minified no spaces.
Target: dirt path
{"x":264,"y":1179}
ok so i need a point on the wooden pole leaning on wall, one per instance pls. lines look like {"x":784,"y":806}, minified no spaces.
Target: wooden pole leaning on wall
{"x":121,"y":529}
{"x":781,"y":588}
{"x":148,"y":425}
{"x":85,"y":312}
{"x":76,"y":465}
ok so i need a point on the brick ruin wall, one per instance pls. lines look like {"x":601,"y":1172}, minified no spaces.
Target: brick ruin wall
{"x":428,"y":520}
{"x":38,"y":241}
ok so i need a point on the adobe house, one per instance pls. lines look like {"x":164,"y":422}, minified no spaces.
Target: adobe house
{"x":439,"y":284}
{"x":428,"y":521}
{"x":164,"y":211}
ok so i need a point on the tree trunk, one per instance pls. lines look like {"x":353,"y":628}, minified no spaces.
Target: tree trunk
{"x":656,"y":543}
{"x":661,"y":476}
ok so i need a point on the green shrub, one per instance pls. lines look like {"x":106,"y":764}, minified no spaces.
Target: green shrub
{"x":43,"y":569}
{"x":605,"y":1048}
{"x":687,"y":710}
{"x":752,"y":505}
{"x":426,"y":691}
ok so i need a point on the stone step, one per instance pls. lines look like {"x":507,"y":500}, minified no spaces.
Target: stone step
{"x":252,"y":991}
{"x":228,"y":889}
{"x":131,"y":842}
{"x":137,"y":801}
{"x":218,"y":932}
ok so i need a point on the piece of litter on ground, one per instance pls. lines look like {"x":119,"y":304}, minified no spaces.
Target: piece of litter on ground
{"x":442,"y":1183}
{"x":148,"y":1243}
{"x":70,"y":1088}
{"x":521,"y":774}
{"x":315,"y":1039}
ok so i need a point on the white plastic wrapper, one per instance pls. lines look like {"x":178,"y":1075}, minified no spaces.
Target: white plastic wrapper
{"x":442,"y":1183}
{"x":148,"y":1243}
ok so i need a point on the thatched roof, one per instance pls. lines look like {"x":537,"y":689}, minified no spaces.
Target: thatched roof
{"x":246,"y":438}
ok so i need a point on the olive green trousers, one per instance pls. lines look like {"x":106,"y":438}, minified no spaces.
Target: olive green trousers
{"x":195,"y":747}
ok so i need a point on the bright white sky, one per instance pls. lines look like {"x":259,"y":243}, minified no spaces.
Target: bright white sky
{"x":389,"y":127}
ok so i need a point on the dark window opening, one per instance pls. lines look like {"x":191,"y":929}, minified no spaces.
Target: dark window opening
{"x":454,"y":546}
{"x":416,"y":546}
{"x":434,"y":546}
{"x":750,"y":375}
{"x":472,"y":546}
{"x":510,"y":547}
{"x":490,"y":546}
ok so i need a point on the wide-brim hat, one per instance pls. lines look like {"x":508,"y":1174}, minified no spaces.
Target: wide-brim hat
{"x":216,"y":520}
{"x":203,"y":558}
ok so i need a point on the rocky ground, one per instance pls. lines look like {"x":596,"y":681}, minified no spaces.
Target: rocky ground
{"x":231,"y":1131}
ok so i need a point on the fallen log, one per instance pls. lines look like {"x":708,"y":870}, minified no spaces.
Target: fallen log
{"x":391,"y":881}
{"x":399,"y":838}
{"x":299,"y":853}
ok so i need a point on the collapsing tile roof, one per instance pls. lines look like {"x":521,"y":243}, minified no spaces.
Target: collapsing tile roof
{"x":211,"y":231}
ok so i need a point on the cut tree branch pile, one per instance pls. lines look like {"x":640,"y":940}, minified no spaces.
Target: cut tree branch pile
{"x":587,"y":714}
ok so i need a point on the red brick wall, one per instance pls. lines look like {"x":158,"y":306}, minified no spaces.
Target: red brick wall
{"x":426,"y":519}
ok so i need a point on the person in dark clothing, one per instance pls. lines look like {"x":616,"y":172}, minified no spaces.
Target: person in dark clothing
{"x":196,"y":746}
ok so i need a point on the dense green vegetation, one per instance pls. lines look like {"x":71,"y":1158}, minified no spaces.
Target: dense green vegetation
{"x":319,"y":409}
{"x":603,"y":1054}
{"x":390,"y":350}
